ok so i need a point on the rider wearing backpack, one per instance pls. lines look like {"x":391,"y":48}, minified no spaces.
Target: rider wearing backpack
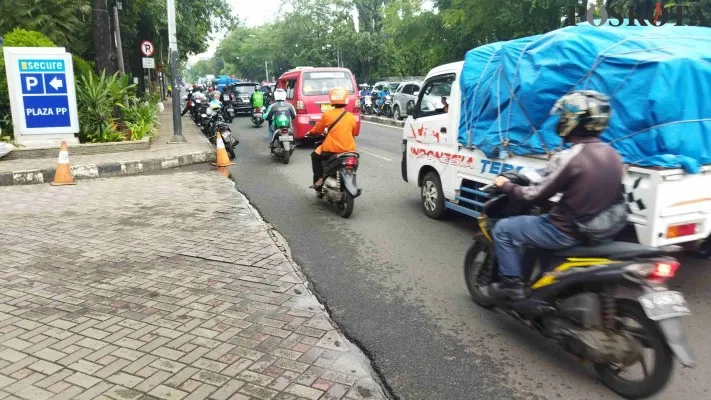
{"x":342,"y":130}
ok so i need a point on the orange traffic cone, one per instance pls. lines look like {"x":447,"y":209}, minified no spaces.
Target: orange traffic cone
{"x":223,"y":160}
{"x":223,"y":171}
{"x":63,"y":174}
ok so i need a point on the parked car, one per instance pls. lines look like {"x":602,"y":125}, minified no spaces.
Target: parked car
{"x":404,"y":98}
{"x":307,"y":90}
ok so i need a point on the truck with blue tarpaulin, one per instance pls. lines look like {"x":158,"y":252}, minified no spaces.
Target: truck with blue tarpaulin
{"x":491,"y":113}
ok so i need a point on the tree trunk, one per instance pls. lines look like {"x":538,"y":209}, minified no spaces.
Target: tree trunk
{"x":101,"y":23}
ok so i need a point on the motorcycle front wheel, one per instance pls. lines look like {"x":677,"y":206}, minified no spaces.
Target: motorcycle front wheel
{"x":346,"y":207}
{"x":478,"y":264}
{"x":651,"y":338}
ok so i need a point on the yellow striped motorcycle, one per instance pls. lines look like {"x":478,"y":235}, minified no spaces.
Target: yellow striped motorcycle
{"x":606,"y":304}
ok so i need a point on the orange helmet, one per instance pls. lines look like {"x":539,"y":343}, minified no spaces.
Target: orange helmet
{"x":338,"y":96}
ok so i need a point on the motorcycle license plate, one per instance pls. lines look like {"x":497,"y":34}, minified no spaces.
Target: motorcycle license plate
{"x":257,"y":114}
{"x":326,"y":107}
{"x":663,"y":305}
{"x":286,"y":138}
{"x":230,"y":109}
{"x":225,"y":133}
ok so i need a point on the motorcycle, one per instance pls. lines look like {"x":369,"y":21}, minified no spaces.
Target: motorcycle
{"x":367,"y":105}
{"x":339,"y":186}
{"x":605,"y":304}
{"x":282,"y":144}
{"x":228,"y":112}
{"x":258,"y":116}
{"x":386,"y":106}
{"x":214,"y":123}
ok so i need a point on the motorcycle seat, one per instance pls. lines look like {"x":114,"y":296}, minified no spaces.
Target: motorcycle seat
{"x":615,"y":250}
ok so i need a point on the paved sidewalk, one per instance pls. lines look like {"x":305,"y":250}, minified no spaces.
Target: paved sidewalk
{"x":159,"y":287}
{"x":161,"y":155}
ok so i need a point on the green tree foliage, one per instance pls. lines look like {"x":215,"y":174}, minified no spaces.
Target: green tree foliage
{"x":59,"y":20}
{"x":68,"y":23}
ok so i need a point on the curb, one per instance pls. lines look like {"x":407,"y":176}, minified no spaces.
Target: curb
{"x":94,"y":171}
{"x":382,"y":120}
{"x":381,"y":385}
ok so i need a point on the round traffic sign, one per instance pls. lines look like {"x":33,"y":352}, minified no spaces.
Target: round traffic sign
{"x":147,"y":48}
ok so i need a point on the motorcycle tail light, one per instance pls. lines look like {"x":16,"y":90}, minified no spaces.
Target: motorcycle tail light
{"x":663,"y":271}
{"x":284,"y":130}
{"x":300,"y":107}
{"x":350,"y":162}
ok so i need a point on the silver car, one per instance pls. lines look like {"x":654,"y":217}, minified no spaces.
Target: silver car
{"x":405,"y":97}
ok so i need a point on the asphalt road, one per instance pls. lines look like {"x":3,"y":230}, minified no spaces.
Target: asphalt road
{"x":393,"y":280}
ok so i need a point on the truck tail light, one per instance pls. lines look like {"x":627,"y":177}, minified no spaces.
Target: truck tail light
{"x":675,"y":231}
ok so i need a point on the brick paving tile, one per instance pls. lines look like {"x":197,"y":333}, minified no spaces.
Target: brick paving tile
{"x":126,"y":295}
{"x":167,"y":393}
{"x":227,"y":390}
{"x":34,"y":393}
{"x":202,"y":392}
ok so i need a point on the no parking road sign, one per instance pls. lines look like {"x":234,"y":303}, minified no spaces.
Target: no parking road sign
{"x":147,"y":48}
{"x":42,"y":97}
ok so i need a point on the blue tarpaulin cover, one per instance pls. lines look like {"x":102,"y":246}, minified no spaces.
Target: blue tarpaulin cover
{"x":658,"y":79}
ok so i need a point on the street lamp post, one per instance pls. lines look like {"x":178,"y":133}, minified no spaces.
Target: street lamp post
{"x":266,"y":72}
{"x":174,"y":72}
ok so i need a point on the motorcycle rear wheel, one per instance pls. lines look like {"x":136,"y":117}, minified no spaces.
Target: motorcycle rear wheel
{"x":230,"y":151}
{"x":346,"y":207}
{"x":477,"y":270}
{"x":653,"y":339}
{"x":285,"y":156}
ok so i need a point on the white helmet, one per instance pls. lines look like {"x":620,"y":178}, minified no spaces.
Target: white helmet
{"x":279,"y":95}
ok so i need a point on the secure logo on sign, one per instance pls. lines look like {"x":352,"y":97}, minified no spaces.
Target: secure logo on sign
{"x":44,"y":93}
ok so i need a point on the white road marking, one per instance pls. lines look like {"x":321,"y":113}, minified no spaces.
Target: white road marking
{"x":374,"y":155}
{"x":379,"y":124}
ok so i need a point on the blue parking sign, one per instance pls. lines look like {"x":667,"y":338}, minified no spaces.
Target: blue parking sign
{"x":42,"y":95}
{"x":32,"y":83}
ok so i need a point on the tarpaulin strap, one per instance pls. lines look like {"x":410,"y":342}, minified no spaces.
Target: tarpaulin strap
{"x":708,"y":120}
{"x":528,"y":118}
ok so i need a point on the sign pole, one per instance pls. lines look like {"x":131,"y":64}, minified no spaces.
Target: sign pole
{"x":174,"y":72}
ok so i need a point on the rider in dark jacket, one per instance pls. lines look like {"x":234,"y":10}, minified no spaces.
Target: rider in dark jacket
{"x":588,"y":175}
{"x":279,"y":107}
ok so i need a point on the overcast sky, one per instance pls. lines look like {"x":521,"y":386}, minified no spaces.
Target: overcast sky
{"x":253,"y":13}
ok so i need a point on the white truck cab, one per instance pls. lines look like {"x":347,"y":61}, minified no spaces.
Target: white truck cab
{"x":667,"y":206}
